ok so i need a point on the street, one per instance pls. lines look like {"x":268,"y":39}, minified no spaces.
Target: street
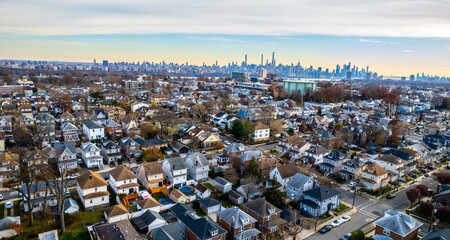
{"x":370,"y":210}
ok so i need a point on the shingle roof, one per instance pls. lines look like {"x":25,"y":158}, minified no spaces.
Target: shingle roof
{"x":147,"y":218}
{"x":208,"y":202}
{"x":116,"y":210}
{"x":398,"y":222}
{"x":298,"y":180}
{"x":321,"y":193}
{"x":260,"y":126}
{"x":168,"y":232}
{"x":121,"y":173}
{"x":261,"y":206}
{"x":90,"y":179}
{"x":236,"y":147}
{"x":152,"y":168}
{"x":240,"y":217}
{"x":441,"y":234}
{"x":288,"y":170}
{"x":147,"y":203}
{"x":176,"y":162}
{"x":91,"y":124}
{"x":221,"y":181}
{"x":375,"y":170}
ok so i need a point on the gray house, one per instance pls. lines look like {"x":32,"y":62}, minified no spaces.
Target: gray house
{"x":319,"y":200}
{"x":297,"y":185}
{"x":222,"y":184}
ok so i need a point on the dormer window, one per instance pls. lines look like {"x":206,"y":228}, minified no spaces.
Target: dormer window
{"x":271,"y":211}
{"x":214,"y":232}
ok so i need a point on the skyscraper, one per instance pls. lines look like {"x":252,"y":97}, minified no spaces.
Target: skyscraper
{"x":105,"y":63}
{"x":273,"y":59}
{"x":262,"y":73}
{"x":262,"y":59}
{"x":245,"y":60}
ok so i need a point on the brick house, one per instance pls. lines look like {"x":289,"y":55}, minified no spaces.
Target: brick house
{"x":267,"y":215}
{"x":397,"y":226}
{"x":239,"y":224}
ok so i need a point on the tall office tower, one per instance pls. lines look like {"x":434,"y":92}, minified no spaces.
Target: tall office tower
{"x":273,"y":59}
{"x":338,"y":68}
{"x":368,"y":75}
{"x":105,"y":63}
{"x":349,"y":75}
{"x":262,"y":73}
{"x":217,"y":63}
{"x":411,"y":78}
{"x":349,"y":66}
{"x":95,"y":61}
{"x":245,"y":59}
{"x":367,"y":70}
{"x":375,"y":76}
{"x":262,"y":59}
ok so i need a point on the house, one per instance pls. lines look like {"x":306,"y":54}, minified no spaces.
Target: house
{"x":392,"y":163}
{"x":239,"y":224}
{"x":201,"y":191}
{"x":93,"y":130}
{"x":111,"y":151}
{"x":66,"y":117}
{"x":197,"y":166}
{"x":148,"y":203}
{"x":152,"y":143}
{"x":179,"y":147}
{"x":177,"y":196}
{"x":209,"y":139}
{"x":66,"y":154}
{"x":297,"y":185}
{"x":6,"y":231}
{"x":121,"y":230}
{"x":112,"y":128}
{"x":397,"y":225}
{"x":130,"y":125}
{"x":222,"y":184}
{"x":267,"y":215}
{"x":116,"y":213}
{"x":319,"y":200}
{"x":115,"y":113}
{"x":91,"y":155}
{"x":175,"y":171}
{"x":374,"y":177}
{"x":148,"y":221}
{"x":69,"y":132}
{"x":223,"y":159}
{"x":131,"y":149}
{"x":266,"y":165}
{"x":245,"y":158}
{"x":323,"y":138}
{"x":168,"y":232}
{"x":440,"y":234}
{"x":151,"y":176}
{"x":45,"y":119}
{"x":332,"y":162}
{"x":92,"y":189}
{"x":435,"y":128}
{"x":249,"y":191}
{"x":314,"y":155}
{"x":261,"y":132}
{"x":351,"y":169}
{"x":123,"y":181}
{"x":209,"y":205}
{"x":234,"y":150}
{"x":298,"y":150}
{"x":235,"y":197}
{"x":38,"y":191}
{"x":5,"y":123}
{"x":283,"y":174}
{"x":9,"y":163}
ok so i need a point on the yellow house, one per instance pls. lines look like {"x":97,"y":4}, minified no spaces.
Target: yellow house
{"x":2,"y":142}
{"x":374,"y":177}
{"x":177,"y":196}
{"x":209,"y":139}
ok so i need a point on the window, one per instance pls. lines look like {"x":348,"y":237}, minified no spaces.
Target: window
{"x":274,"y":228}
{"x":96,"y":189}
{"x":90,"y":201}
{"x":386,"y":232}
{"x":241,"y":229}
{"x":103,"y":199}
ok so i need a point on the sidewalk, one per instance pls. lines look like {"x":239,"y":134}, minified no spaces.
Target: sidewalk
{"x":308,"y":232}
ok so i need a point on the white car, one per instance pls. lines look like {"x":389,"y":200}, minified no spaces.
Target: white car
{"x":1,"y":196}
{"x":8,"y":205}
{"x":336,"y":223}
{"x":226,"y":142}
{"x":352,"y":184}
{"x":345,"y":219}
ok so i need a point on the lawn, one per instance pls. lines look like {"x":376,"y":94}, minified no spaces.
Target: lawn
{"x":199,"y":212}
{"x":2,"y":210}
{"x":158,"y":196}
{"x":227,"y":204}
{"x":16,"y":208}
{"x":208,"y":185}
{"x":341,"y":208}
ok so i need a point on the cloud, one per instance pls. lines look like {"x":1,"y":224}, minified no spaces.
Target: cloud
{"x":370,"y":41}
{"x":408,"y":51}
{"x":217,"y":39}
{"x":382,"y":18}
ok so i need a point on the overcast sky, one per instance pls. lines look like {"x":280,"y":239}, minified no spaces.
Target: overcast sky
{"x":37,"y":25}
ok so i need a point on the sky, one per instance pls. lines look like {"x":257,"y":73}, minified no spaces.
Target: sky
{"x":398,"y":38}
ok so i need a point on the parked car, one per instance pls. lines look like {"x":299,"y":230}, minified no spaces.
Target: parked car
{"x":330,"y":176}
{"x":413,"y":175}
{"x":1,"y":196}
{"x":8,"y":205}
{"x":325,"y":228}
{"x":390,"y":196}
{"x":226,"y":142}
{"x":423,"y":170}
{"x":346,"y":236}
{"x":430,"y":167}
{"x":336,"y":223}
{"x":345,"y":219}
{"x":352,"y":184}
{"x":448,"y":167}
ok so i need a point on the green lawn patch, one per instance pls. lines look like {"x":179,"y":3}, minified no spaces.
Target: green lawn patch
{"x":16,"y":208}
{"x":158,"y":196}
{"x":342,"y":208}
{"x":199,"y":212}
{"x":208,"y":185}
{"x":325,"y":216}
{"x":227,"y":204}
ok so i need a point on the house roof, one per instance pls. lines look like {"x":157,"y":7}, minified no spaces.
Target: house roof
{"x":390,"y":159}
{"x":265,"y":163}
{"x":168,"y":232}
{"x":198,"y":159}
{"x":147,"y":218}
{"x":152,"y":168}
{"x":90,"y":179}
{"x":236,"y":147}
{"x":235,"y":195}
{"x":121,"y":173}
{"x":259,"y":126}
{"x":149,"y":202}
{"x":261,"y":206}
{"x":5,"y":223}
{"x":236,"y":216}
{"x":177,"y":163}
{"x":321,"y":193}
{"x":298,"y":180}
{"x":398,"y":222}
{"x":200,"y":187}
{"x":116,"y":210}
{"x":221,"y":181}
{"x":440,"y":234}
{"x":61,"y":147}
{"x":92,"y":124}
{"x":288,"y":170}
{"x":374,"y":169}
{"x":208,"y":202}
{"x":177,"y":193}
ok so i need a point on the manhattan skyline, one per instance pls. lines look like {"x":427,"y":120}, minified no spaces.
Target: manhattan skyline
{"x":397,"y":39}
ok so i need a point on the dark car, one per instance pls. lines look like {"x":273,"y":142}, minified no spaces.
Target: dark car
{"x":413,"y":175}
{"x":330,"y":176}
{"x":390,"y":196}
{"x":325,"y":228}
{"x":430,"y":167}
{"x":423,"y":170}
{"x":448,"y":167}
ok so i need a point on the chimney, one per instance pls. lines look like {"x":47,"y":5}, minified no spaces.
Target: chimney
{"x":196,"y":163}
{"x":90,"y":175}
{"x":232,"y":221}
{"x":173,"y":167}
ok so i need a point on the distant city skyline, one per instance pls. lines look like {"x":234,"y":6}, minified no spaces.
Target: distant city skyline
{"x":395,"y":38}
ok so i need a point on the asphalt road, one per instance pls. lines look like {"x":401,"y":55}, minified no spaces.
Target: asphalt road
{"x":370,"y":210}
{"x":7,"y":195}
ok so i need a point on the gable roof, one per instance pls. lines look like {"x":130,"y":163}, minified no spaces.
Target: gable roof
{"x":92,"y":124}
{"x":236,"y":147}
{"x":398,"y":222}
{"x":261,"y":206}
{"x":298,"y":180}
{"x":152,"y":168}
{"x":61,"y":147}
{"x":259,"y":126}
{"x":288,"y":170}
{"x":147,"y":218}
{"x":321,"y":193}
{"x":208,"y":202}
{"x":121,"y":173}
{"x":116,"y":210}
{"x":147,"y":203}
{"x":90,"y":179}
{"x":376,"y":170}
{"x":235,"y":214}
{"x":168,"y":232}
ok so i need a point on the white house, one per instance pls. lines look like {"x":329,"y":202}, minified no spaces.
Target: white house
{"x":201,"y":191}
{"x":392,"y":164}
{"x":148,"y":221}
{"x":93,"y":130}
{"x":116,"y":213}
{"x":198,"y":166}
{"x":91,"y":155}
{"x":284,"y":173}
{"x":298,"y":184}
{"x":222,"y":184}
{"x":175,"y":171}
{"x":209,"y":205}
{"x":67,"y":155}
{"x":149,"y":203}
{"x":123,"y":181}
{"x":261,"y":132}
{"x":92,"y":189}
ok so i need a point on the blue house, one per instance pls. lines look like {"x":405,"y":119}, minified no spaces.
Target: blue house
{"x":242,"y":114}
{"x":319,"y":200}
